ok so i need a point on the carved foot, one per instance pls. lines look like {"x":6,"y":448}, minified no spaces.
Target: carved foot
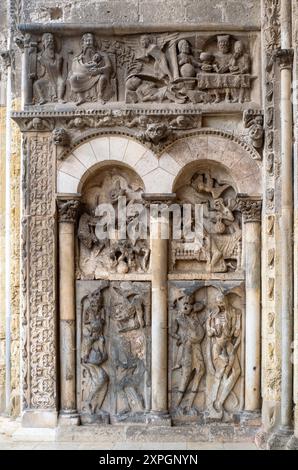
{"x":176,"y":367}
{"x":101,"y":417}
{"x":215,"y":412}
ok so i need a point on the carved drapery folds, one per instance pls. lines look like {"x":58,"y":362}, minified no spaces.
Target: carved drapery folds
{"x":206,"y":334}
{"x":155,"y":68}
{"x":114,"y":351}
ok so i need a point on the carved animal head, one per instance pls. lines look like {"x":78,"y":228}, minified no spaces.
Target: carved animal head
{"x":224,"y":210}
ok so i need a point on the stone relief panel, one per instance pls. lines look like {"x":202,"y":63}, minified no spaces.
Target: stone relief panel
{"x":114,"y":344}
{"x":206,"y":331}
{"x":125,"y":249}
{"x":214,"y":241}
{"x":180,"y":68}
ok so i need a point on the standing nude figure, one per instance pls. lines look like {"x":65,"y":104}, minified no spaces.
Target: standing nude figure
{"x":223,"y":328}
{"x":189,"y":333}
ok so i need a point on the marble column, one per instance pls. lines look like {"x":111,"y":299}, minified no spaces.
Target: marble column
{"x":251,"y":211}
{"x":67,"y":211}
{"x":159,"y":227}
{"x":285,"y":59}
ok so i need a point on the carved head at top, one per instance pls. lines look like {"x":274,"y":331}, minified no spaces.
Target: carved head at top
{"x":88,"y":43}
{"x":238,"y":49}
{"x":145,"y":41}
{"x":223,"y":43}
{"x":48,"y":43}
{"x":184,"y":47}
{"x":184,"y":304}
{"x":222,"y":302}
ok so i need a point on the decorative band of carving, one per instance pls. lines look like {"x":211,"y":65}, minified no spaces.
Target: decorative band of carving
{"x":67,"y":211}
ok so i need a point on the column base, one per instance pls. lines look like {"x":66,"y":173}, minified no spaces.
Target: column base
{"x":159,"y":418}
{"x":69,"y":418}
{"x":279,"y":439}
{"x":40,"y":419}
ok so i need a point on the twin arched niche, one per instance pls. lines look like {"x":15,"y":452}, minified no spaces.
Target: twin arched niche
{"x":160,"y":175}
{"x":198,"y":292}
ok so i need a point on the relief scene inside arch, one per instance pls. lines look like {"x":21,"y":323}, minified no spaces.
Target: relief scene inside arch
{"x":112,"y":233}
{"x":177,"y":68}
{"x":212,"y":233}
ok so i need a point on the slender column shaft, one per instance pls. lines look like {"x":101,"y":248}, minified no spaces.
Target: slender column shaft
{"x":67,"y":307}
{"x":251,"y":210}
{"x":286,"y":117}
{"x":159,"y":258}
{"x":287,"y":249}
{"x":253,"y":316}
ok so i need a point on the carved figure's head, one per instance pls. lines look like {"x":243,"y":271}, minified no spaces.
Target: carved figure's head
{"x":48,"y":42}
{"x":88,"y":43}
{"x":156,"y":132}
{"x":184,"y":304}
{"x":223,"y":43}
{"x":222,"y":302}
{"x":184,"y":47}
{"x":145,"y":41}
{"x":238,"y":49}
{"x":60,"y":136}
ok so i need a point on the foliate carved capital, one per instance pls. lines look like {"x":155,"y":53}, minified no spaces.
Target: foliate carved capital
{"x":284,"y":58}
{"x":251,"y":208}
{"x":67,"y":210}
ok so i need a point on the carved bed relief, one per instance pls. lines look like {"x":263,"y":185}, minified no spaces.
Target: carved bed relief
{"x":124,"y":249}
{"x":175,"y":68}
{"x":113,"y":351}
{"x":214,"y":244}
{"x":206,"y":341}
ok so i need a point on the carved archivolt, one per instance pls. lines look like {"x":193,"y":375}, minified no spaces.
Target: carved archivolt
{"x":159,"y":174}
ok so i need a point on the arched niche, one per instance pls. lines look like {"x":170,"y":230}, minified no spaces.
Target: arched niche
{"x":112,"y":191}
{"x":216,"y":149}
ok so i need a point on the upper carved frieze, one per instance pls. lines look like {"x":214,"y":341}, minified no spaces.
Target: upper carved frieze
{"x":175,"y":68}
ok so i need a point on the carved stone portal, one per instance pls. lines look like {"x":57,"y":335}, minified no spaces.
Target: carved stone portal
{"x":206,"y":350}
{"x":114,"y":347}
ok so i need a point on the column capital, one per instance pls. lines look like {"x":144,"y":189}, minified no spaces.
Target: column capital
{"x":159,"y":198}
{"x":67,"y":210}
{"x":250,"y":207}
{"x":284,"y":58}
